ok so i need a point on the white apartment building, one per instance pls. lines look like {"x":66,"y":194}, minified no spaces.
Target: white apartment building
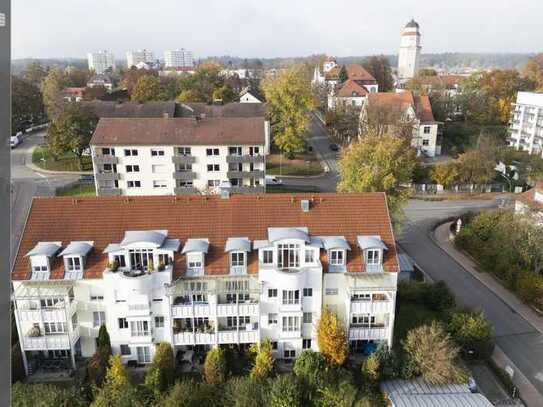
{"x":409,"y":54}
{"x":133,"y":58}
{"x":526,"y":130}
{"x":416,"y":110}
{"x":179,"y":58}
{"x":201,"y":271}
{"x":101,"y":61}
{"x":169,"y":156}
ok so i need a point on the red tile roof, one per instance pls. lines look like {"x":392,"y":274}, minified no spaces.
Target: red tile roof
{"x":355,"y":72}
{"x":105,"y":219}
{"x":179,"y":131}
{"x":529,"y":196}
{"x":447,"y":81}
{"x":351,"y":86}
{"x":402,"y":100}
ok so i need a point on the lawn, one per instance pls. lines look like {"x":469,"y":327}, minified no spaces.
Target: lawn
{"x":302,"y":164}
{"x":67,"y":162}
{"x":78,"y":190}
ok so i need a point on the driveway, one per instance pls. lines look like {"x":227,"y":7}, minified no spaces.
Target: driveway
{"x":518,"y":339}
{"x":27,"y":183}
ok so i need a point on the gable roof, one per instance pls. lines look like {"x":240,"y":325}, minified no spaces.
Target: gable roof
{"x":401,"y":101}
{"x":179,"y":131}
{"x":356,"y":72}
{"x":350,"y":87}
{"x":105,"y":220}
{"x":131,"y":109}
{"x":447,"y":81}
{"x":234,"y":109}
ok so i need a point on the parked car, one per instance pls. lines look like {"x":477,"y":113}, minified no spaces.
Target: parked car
{"x":86,"y":179}
{"x":273,"y":180}
{"x":334,"y":147}
{"x":16,"y":140}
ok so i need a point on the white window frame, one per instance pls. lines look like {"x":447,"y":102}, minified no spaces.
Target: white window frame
{"x":238,"y":259}
{"x":290,"y":324}
{"x":157,"y":152}
{"x":272,"y":292}
{"x":184,"y":151}
{"x":306,"y":343}
{"x":291,"y":297}
{"x":160,"y":184}
{"x":308,"y":292}
{"x":337,"y":257}
{"x":288,"y":255}
{"x":71,"y":263}
{"x":98,"y":318}
{"x":125,"y":346}
{"x":144,"y":354}
{"x":140,"y":328}
{"x":309,"y":256}
{"x":159,"y":321}
{"x":307,"y":317}
{"x":427,"y":130}
{"x":272,"y":319}
{"x":374,"y":261}
{"x":265,"y":253}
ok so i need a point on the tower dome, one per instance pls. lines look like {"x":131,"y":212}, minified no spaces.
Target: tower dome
{"x":412,"y":24}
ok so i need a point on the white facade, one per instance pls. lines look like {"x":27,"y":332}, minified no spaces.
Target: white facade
{"x":526,"y":130}
{"x":141,"y":303}
{"x":409,"y":54}
{"x":101,"y":61}
{"x":169,"y":170}
{"x":248,"y":97}
{"x":133,"y":58}
{"x":179,"y":58}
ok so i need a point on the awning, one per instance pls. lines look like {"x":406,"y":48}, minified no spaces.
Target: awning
{"x":371,"y":242}
{"x":196,"y":245}
{"x":155,"y":237}
{"x":77,"y":248}
{"x":335,"y":242}
{"x":39,"y":289}
{"x":112,"y":247}
{"x":171,"y":244}
{"x":241,"y":244}
{"x":261,"y":244}
{"x":275,"y":234}
{"x":45,"y":249}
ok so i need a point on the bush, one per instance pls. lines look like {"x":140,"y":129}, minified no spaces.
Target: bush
{"x":310,"y":367}
{"x":371,"y":371}
{"x":439,"y":298}
{"x":44,"y":395}
{"x":432,"y":354}
{"x":188,"y":393}
{"x":215,"y":369}
{"x":530,"y":288}
{"x":97,"y":367}
{"x":285,"y":392}
{"x":245,"y":392}
{"x":472,"y":332}
{"x":263,"y":363}
{"x":332,"y":338}
{"x":161,"y":374}
{"x":343,"y":394}
{"x":117,"y":389}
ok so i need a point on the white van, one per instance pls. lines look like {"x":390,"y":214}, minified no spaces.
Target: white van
{"x":273,"y":180}
{"x":16,"y":140}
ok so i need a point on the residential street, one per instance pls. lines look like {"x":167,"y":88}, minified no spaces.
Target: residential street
{"x":26,"y":183}
{"x":518,"y":339}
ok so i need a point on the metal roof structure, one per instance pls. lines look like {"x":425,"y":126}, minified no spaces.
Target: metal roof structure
{"x":155,"y":237}
{"x":196,"y":245}
{"x":275,"y":234}
{"x":374,"y":281}
{"x":418,"y":393}
{"x":371,"y":242}
{"x":241,"y":244}
{"x":171,"y":244}
{"x":77,"y":248}
{"x":335,"y":242}
{"x":39,"y":289}
{"x":45,"y":249}
{"x":406,"y":263}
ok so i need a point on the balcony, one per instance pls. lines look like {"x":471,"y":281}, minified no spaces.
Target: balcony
{"x":51,"y":342}
{"x":243,"y":308}
{"x":229,"y":336}
{"x":59,"y":313}
{"x":105,"y":159}
{"x":245,"y":174}
{"x":184,"y":175}
{"x":290,"y":334}
{"x":367,"y":333}
{"x":194,"y":338}
{"x":135,"y":310}
{"x":109,"y":191}
{"x":141,"y":336}
{"x":191,"y":310}
{"x":108,"y":176}
{"x":185,"y":190}
{"x":244,"y":159}
{"x":371,"y":307}
{"x":248,"y":190}
{"x":238,"y":270}
{"x":373,"y":268}
{"x":183,"y":159}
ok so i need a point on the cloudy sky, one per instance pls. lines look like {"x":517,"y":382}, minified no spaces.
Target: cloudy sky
{"x":258,"y":28}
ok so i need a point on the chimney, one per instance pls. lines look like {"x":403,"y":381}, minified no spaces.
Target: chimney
{"x":305,"y":204}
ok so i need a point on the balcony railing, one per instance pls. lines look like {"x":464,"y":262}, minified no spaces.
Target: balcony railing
{"x":109,"y":191}
{"x":373,"y":268}
{"x":245,"y":174}
{"x":373,"y":333}
{"x":184,"y":175}
{"x":185,"y":190}
{"x":108,"y":176}
{"x":248,"y":189}
{"x":183,"y":159}
{"x":244,"y":158}
{"x":105,"y":159}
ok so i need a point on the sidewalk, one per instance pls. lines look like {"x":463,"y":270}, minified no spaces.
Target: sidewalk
{"x":528,"y":392}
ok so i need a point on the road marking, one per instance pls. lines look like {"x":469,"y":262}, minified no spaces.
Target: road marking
{"x":40,"y":174}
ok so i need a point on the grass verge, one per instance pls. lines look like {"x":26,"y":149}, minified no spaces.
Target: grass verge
{"x":42,"y":158}
{"x":77,"y":190}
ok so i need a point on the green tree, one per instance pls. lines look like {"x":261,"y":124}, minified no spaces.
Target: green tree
{"x":379,"y":68}
{"x":103,"y":341}
{"x":285,"y":392}
{"x":44,"y":395}
{"x":445,"y":174}
{"x":434,"y":355}
{"x":332,"y":338}
{"x":476,"y":167}
{"x":71,"y":130}
{"x":342,"y":394}
{"x":161,"y":374}
{"x":289,"y":100}
{"x":117,"y":390}
{"x":215,"y":369}
{"x":35,"y":73}
{"x":473,"y":333}
{"x":263,"y":360}
{"x":97,"y":367}
{"x":371,"y":372}
{"x":378,"y":164}
{"x":131,"y":77}
{"x":199,"y":86}
{"x":245,"y":392}
{"x":26,"y":104}
{"x":147,"y":89}
{"x":76,"y":77}
{"x":188,"y":393}
{"x":533,"y":71}
{"x":343,"y":75}
{"x":52,"y":87}
{"x":310,"y":367}
{"x":96,"y":92}
{"x":225,"y":94}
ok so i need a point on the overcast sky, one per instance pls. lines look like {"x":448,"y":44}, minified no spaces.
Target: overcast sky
{"x":276,"y":28}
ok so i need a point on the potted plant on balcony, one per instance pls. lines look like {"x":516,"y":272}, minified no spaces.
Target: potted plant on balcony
{"x":34,"y":332}
{"x":150,"y":266}
{"x":113,"y":266}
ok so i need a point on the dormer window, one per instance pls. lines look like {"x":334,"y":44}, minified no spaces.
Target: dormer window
{"x":373,"y":256}
{"x":288,"y":255}
{"x":40,"y":259}
{"x":267,"y":256}
{"x":372,"y":249}
{"x":195,"y":264}
{"x":337,"y":257}
{"x":73,"y":264}
{"x":237,"y":259}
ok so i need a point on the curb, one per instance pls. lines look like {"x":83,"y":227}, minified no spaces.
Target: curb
{"x":35,"y":168}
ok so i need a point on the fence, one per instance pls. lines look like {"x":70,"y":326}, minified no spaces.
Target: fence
{"x":432,"y":189}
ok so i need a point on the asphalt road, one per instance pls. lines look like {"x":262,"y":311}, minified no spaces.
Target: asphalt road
{"x":26,"y":183}
{"x":518,"y":339}
{"x":318,"y":139}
